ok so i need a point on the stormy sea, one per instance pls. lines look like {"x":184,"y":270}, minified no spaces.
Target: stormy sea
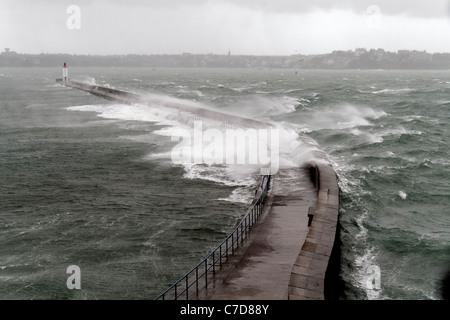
{"x":90,"y":182}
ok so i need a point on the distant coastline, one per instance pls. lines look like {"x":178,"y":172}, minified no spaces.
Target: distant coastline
{"x":353,"y":59}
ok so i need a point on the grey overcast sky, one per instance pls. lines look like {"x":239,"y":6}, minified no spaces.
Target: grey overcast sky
{"x":257,"y":27}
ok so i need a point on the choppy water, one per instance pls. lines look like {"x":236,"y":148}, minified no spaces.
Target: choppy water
{"x":89,"y":182}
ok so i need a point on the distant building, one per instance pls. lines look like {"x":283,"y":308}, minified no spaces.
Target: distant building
{"x":8,"y":52}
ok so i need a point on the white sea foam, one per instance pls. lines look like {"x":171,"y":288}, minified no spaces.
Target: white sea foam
{"x":88,"y":80}
{"x":402,"y":194}
{"x":55,"y":85}
{"x":134,"y":112}
{"x":294,"y":150}
{"x":365,"y":263}
{"x":240,"y":195}
{"x":341,"y":116}
{"x":226,"y":175}
{"x":374,"y":138}
{"x":399,"y":130}
{"x":261,"y":106}
{"x":365,"y":258}
{"x":275,"y":105}
{"x":393,"y":91}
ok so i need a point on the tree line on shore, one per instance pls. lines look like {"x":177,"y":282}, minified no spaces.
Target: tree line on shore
{"x":353,"y":59}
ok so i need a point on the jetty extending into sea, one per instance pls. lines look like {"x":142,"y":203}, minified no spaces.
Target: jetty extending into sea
{"x":285,"y":247}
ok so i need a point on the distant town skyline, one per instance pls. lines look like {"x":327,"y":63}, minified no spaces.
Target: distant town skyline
{"x":359,"y":58}
{"x":247,"y":27}
{"x":356,"y":51}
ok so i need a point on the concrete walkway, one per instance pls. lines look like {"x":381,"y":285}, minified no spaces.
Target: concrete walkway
{"x":261,"y":268}
{"x":314,"y":260}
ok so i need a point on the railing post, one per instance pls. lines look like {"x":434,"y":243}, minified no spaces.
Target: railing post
{"x":226,"y":249}
{"x":196,"y":278}
{"x":242,"y":233}
{"x":176,"y":295}
{"x":187,"y":288}
{"x":232,"y":243}
{"x":206,"y":273}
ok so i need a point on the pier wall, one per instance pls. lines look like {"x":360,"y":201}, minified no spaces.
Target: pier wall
{"x":230,"y":120}
{"x":315,"y":266}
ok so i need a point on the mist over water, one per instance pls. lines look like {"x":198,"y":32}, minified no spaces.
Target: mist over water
{"x":91,"y":182}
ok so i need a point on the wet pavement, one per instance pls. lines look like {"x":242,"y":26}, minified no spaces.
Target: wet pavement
{"x":261,"y":268}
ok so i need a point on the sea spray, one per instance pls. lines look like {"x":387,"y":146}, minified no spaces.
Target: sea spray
{"x":116,"y":180}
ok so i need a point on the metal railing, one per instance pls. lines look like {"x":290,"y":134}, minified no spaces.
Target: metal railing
{"x":181,"y":288}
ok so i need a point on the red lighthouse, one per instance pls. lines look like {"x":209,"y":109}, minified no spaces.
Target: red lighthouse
{"x":65,"y":73}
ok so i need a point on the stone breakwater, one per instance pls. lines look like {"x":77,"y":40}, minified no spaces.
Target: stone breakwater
{"x":313,"y":268}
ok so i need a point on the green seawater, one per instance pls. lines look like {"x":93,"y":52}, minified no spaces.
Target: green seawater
{"x":89,"y":182}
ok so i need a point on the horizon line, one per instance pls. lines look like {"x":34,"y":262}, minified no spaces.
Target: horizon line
{"x":219,"y":54}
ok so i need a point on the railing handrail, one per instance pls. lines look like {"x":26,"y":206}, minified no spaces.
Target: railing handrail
{"x":252,"y":215}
